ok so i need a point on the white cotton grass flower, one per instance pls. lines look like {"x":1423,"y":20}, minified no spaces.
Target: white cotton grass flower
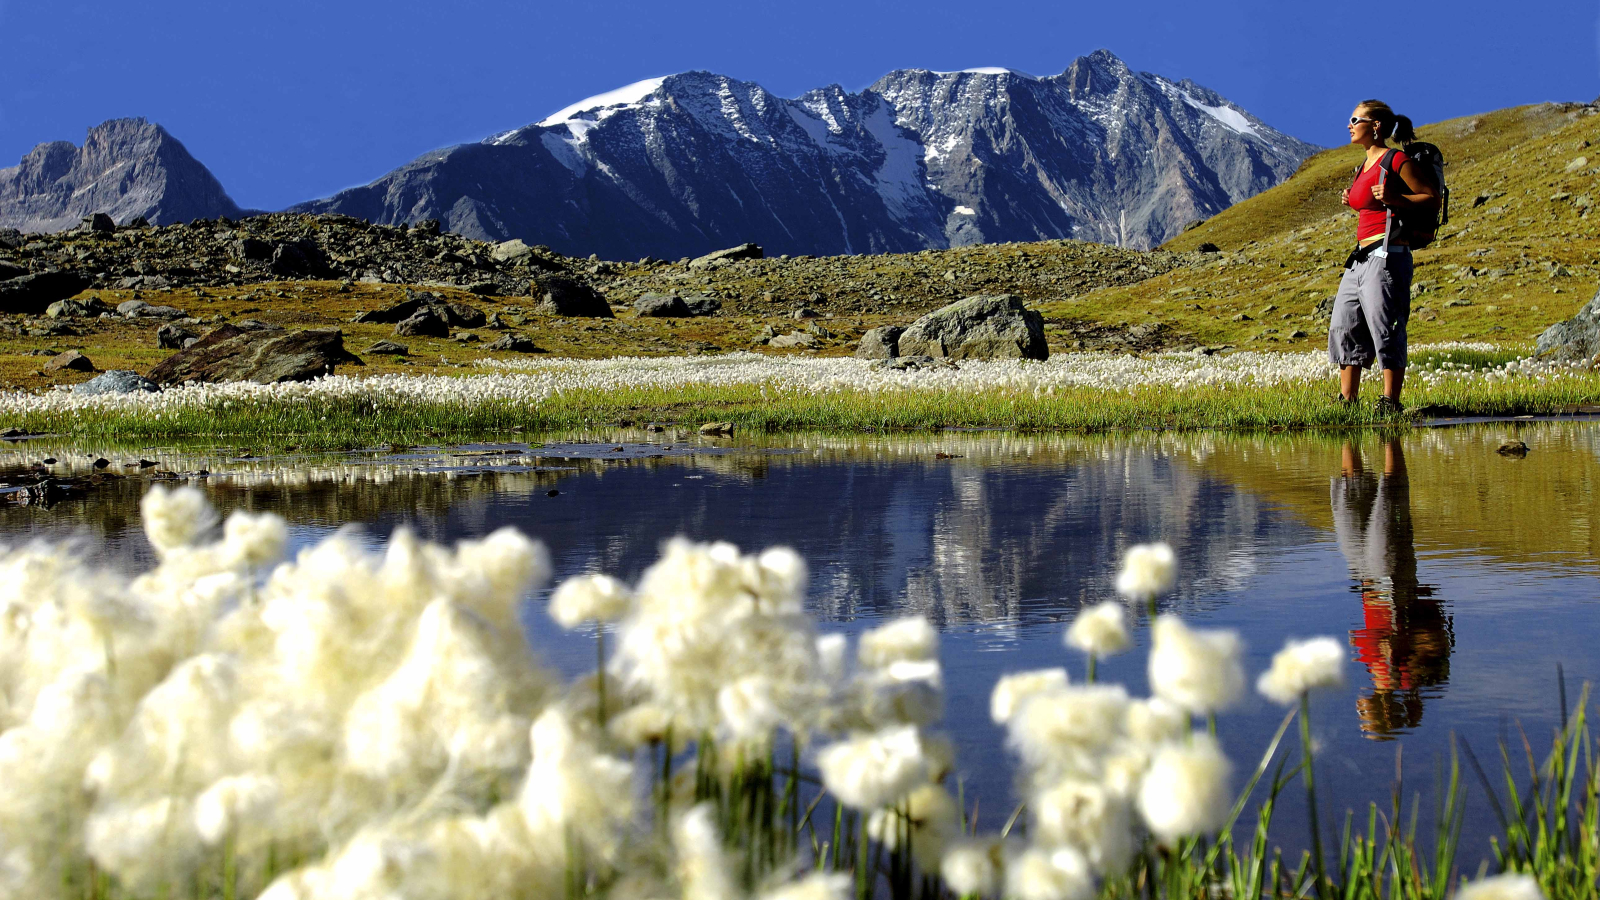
{"x":833,"y":652}
{"x":749,"y":712}
{"x":816,"y":886}
{"x":1087,"y":815}
{"x":175,"y":518}
{"x":1039,"y":873}
{"x":1156,"y":721}
{"x":254,"y":540}
{"x":1148,"y":570}
{"x":1067,"y":728}
{"x":1101,"y":629}
{"x":910,"y":639}
{"x":1509,"y":886}
{"x":906,"y":693}
{"x":974,"y":866}
{"x":589,"y":598}
{"x":1199,"y":671}
{"x":1185,"y":791}
{"x":874,"y":770}
{"x":221,"y":807}
{"x":1303,"y":666}
{"x":704,"y":870}
{"x":1011,"y":690}
{"x":935,"y":820}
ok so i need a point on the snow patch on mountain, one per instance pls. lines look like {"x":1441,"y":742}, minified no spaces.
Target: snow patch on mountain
{"x":1230,"y":118}
{"x":608,"y":103}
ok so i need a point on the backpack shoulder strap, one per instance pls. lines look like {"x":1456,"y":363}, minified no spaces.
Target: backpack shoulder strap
{"x":1388,"y":160}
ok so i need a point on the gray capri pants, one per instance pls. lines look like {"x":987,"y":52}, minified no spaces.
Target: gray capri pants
{"x":1370,"y":312}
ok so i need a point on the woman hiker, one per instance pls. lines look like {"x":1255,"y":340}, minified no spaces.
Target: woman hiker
{"x":1374,"y":298}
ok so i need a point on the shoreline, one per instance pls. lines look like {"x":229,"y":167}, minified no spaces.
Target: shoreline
{"x":1088,"y":392}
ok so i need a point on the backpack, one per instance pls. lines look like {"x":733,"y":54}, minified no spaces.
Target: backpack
{"x":1420,"y":226}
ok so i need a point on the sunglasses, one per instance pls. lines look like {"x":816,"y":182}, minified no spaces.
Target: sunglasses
{"x":1355,"y":119}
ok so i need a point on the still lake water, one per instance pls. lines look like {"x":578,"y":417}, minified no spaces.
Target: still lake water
{"x":1459,"y":578}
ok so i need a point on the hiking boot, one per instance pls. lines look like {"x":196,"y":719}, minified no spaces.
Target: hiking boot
{"x":1388,"y":406}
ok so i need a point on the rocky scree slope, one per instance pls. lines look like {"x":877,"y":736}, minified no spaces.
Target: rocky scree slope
{"x":129,"y":169}
{"x":682,"y":165}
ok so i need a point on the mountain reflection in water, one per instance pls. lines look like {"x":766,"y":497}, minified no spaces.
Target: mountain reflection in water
{"x":1406,"y":638}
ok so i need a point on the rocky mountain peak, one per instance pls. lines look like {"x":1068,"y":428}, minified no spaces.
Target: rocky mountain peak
{"x":126,"y":168}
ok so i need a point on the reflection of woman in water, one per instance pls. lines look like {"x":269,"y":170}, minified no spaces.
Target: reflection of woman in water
{"x":1406,"y":640}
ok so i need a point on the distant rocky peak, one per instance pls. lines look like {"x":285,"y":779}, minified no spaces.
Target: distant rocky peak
{"x":127,"y":168}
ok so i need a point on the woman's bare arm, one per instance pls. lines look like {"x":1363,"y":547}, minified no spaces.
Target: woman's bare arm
{"x":1419,"y":192}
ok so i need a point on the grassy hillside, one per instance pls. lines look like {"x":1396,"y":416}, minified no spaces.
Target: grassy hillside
{"x":1518,"y":254}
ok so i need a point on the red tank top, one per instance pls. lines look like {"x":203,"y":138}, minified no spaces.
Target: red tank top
{"x":1369,"y":222}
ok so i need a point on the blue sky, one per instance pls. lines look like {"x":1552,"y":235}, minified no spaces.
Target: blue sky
{"x":293,"y":100}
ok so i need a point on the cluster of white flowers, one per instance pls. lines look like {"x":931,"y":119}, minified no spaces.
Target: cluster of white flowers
{"x":380,"y":712}
{"x":531,"y":382}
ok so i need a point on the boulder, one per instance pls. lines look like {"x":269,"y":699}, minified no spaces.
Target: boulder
{"x":743,"y":251}
{"x":460,"y":315}
{"x":791,"y":341}
{"x":1575,"y":340}
{"x":514,"y":343}
{"x":32,"y":294}
{"x":252,"y":249}
{"x":661,"y":306}
{"x":251,"y":351}
{"x":389,"y":348}
{"x":99,"y":222}
{"x":78,"y":309}
{"x":11,"y":239}
{"x":425,"y":322}
{"x":997,"y":326}
{"x":148,"y":282}
{"x":563,"y":296}
{"x":911,"y":363}
{"x":882,"y":342}
{"x":174,"y":337}
{"x":139,"y":309}
{"x":300,"y":259}
{"x":71,"y":360}
{"x":701,"y":305}
{"x":510,"y":251}
{"x":117,"y":381}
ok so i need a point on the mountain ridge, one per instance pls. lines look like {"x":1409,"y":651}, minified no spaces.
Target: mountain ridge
{"x":682,"y":164}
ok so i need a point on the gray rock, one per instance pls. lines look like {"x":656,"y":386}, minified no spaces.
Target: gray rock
{"x":998,"y":326}
{"x":253,"y":352}
{"x":10,"y":238}
{"x":425,"y":322}
{"x":117,"y":381}
{"x":661,"y":306}
{"x":149,"y":282}
{"x":510,"y":251}
{"x":466,"y":337}
{"x":701,"y":305}
{"x":99,"y":222}
{"x":78,"y":309}
{"x":139,"y":309}
{"x":743,"y":251}
{"x":882,"y":342}
{"x":459,"y":315}
{"x":1575,"y":340}
{"x":300,"y":259}
{"x":389,"y":348}
{"x":32,"y":294}
{"x":793,"y":340}
{"x":71,"y":360}
{"x":514,"y":343}
{"x":563,"y":296}
{"x":174,"y":337}
{"x":805,"y":312}
{"x":908,"y":363}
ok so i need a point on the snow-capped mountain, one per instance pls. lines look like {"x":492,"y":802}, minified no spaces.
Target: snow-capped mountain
{"x":127,"y":168}
{"x":680,"y":165}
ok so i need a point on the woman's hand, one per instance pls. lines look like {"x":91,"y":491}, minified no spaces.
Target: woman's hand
{"x":1386,"y":192}
{"x":1344,"y":196}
